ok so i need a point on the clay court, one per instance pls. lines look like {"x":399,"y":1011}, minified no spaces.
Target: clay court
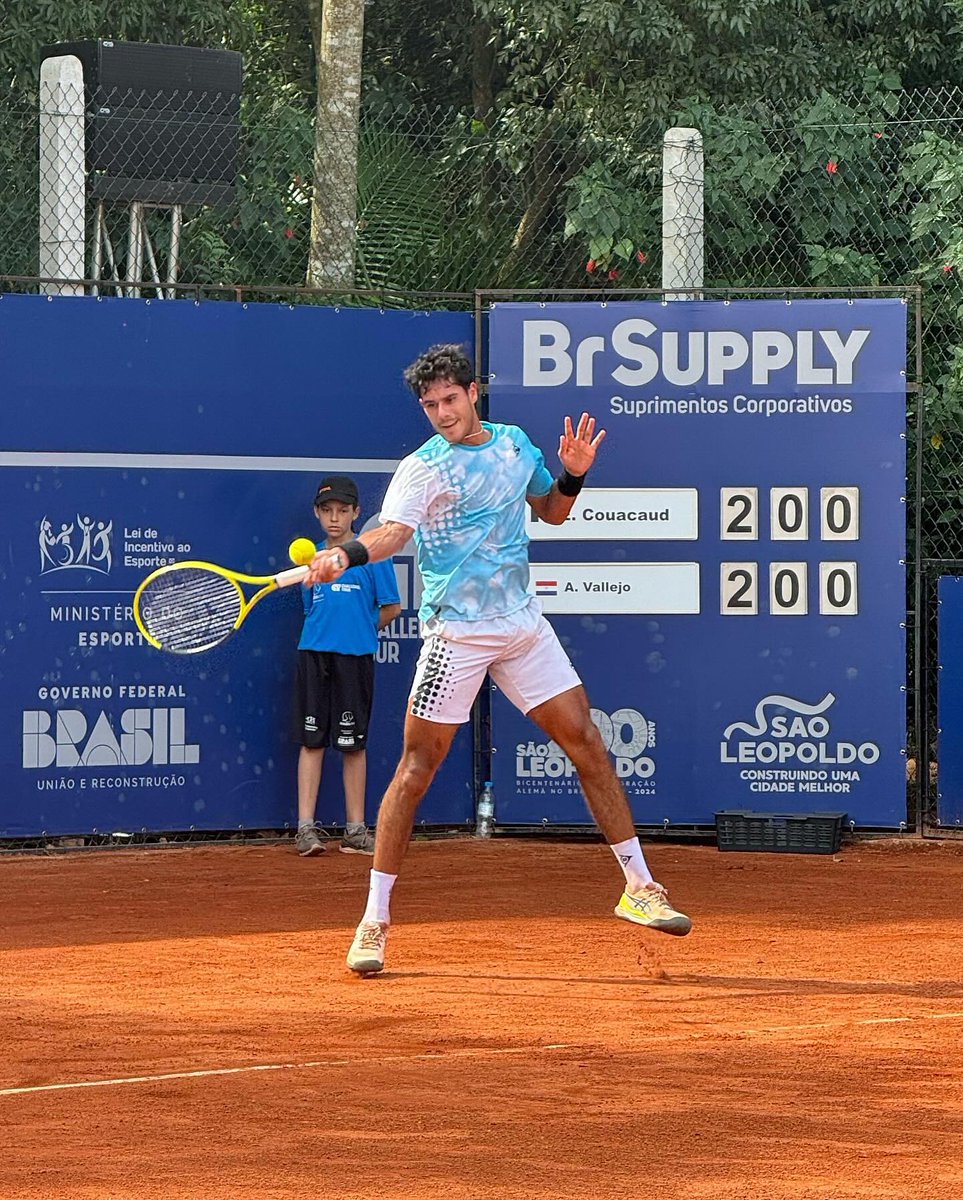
{"x":803,"y":1043}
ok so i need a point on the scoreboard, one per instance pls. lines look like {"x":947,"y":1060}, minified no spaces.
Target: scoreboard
{"x":730,"y":583}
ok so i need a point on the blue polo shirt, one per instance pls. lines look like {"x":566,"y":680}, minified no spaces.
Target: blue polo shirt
{"x":343,"y":616}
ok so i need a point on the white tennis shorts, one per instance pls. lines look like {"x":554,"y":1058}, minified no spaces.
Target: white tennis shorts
{"x":521,"y":652}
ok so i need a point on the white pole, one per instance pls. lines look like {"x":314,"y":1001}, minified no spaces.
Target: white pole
{"x":683,"y":212}
{"x":135,"y":247}
{"x":63,"y":175}
{"x":174,"y":257}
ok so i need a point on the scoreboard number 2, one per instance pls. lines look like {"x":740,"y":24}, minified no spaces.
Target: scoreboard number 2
{"x":739,"y":588}
{"x":739,"y":511}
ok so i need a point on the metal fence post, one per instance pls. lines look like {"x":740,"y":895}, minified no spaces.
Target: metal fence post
{"x":683,"y":212}
{"x":63,"y":232}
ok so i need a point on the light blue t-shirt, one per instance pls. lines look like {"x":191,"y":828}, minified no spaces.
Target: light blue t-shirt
{"x":343,"y":616}
{"x":466,"y":505}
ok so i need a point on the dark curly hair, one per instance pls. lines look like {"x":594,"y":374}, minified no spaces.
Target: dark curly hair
{"x":449,"y":361}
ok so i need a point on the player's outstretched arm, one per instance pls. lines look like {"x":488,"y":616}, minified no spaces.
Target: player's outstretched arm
{"x":373,"y":546}
{"x":577,"y":448}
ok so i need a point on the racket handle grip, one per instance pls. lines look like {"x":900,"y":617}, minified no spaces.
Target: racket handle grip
{"x":294,"y":575}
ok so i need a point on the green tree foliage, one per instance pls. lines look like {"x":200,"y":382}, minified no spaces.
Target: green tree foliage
{"x":519,"y":143}
{"x":827,"y":164}
{"x":590,"y":85}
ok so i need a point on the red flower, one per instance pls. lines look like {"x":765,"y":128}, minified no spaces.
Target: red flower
{"x":947,"y":268}
{"x":832,"y":166}
{"x":640,"y":256}
{"x":613,"y":274}
{"x":590,"y":265}
{"x":877,"y":136}
{"x":289,"y":232}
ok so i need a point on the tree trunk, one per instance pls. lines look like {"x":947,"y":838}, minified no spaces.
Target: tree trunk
{"x":548,"y":175}
{"x":482,"y":72}
{"x":337,"y":27}
{"x":483,"y":112}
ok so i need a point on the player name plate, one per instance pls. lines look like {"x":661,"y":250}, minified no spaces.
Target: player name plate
{"x":649,"y":588}
{"x":625,"y":515}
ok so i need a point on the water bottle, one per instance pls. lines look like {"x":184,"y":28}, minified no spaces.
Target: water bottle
{"x":485,"y":812}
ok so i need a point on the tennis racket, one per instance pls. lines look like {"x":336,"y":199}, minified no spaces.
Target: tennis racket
{"x":189,"y":607}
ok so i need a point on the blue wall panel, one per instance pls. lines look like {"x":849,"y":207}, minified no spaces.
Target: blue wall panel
{"x":731,"y":583}
{"x":133,"y":433}
{"x":949,"y":751}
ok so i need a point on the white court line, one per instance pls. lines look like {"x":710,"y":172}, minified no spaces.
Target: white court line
{"x":291,"y":1066}
{"x":763,"y":1031}
{"x":949,"y":1016}
{"x":691,"y":1035}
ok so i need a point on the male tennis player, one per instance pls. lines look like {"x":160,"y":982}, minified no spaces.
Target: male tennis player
{"x":463,"y":495}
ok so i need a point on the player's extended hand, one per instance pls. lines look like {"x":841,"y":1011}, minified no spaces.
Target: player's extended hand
{"x":325,"y":567}
{"x":577,"y":447}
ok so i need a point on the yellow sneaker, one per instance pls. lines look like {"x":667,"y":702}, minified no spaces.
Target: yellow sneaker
{"x":651,"y":907}
{"x":367,"y":953}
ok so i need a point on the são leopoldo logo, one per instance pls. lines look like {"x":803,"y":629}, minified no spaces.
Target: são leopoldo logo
{"x":789,"y":746}
{"x":626,"y":734}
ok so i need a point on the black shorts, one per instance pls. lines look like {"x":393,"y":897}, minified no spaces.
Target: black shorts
{"x":332,"y":699}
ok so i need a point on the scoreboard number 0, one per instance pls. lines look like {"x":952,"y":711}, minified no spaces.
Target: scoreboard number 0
{"x":787,"y":589}
{"x":837,"y":589}
{"x":839,"y":508}
{"x":789,"y":514}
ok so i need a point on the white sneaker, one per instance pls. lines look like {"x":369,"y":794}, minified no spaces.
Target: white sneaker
{"x":367,"y":953}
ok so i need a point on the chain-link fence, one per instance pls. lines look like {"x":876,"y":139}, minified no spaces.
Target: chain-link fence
{"x":836,"y":194}
{"x":839,"y":193}
{"x":443,"y":204}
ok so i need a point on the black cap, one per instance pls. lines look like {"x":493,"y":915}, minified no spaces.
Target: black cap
{"x":337,"y":487}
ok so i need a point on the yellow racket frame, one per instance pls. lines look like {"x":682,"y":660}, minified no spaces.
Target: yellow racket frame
{"x":266,"y":584}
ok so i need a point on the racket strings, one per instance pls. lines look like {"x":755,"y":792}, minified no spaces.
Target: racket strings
{"x":190,"y":608}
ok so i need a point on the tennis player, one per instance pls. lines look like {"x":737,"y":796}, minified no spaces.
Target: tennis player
{"x":463,"y":495}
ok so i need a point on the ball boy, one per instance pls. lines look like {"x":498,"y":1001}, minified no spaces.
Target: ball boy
{"x":334,"y":688}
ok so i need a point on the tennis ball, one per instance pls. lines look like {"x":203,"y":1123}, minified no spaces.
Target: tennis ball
{"x":301,"y":551}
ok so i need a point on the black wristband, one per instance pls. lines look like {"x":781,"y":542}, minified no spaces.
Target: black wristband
{"x":355,"y":552}
{"x":570,"y":485}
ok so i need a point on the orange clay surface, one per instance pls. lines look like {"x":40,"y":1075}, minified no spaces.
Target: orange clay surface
{"x":805,"y":1042}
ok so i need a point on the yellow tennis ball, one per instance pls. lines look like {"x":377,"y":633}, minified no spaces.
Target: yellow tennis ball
{"x":301,"y":551}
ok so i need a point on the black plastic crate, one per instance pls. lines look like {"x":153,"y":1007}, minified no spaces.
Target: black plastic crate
{"x":785,"y":833}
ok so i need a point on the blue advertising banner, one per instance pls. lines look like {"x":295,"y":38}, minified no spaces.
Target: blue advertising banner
{"x":730,"y":584}
{"x":133,"y":434}
{"x":950,"y":701}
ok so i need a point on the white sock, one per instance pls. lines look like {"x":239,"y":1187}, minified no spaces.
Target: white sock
{"x":632,"y":860}
{"x":379,"y":897}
